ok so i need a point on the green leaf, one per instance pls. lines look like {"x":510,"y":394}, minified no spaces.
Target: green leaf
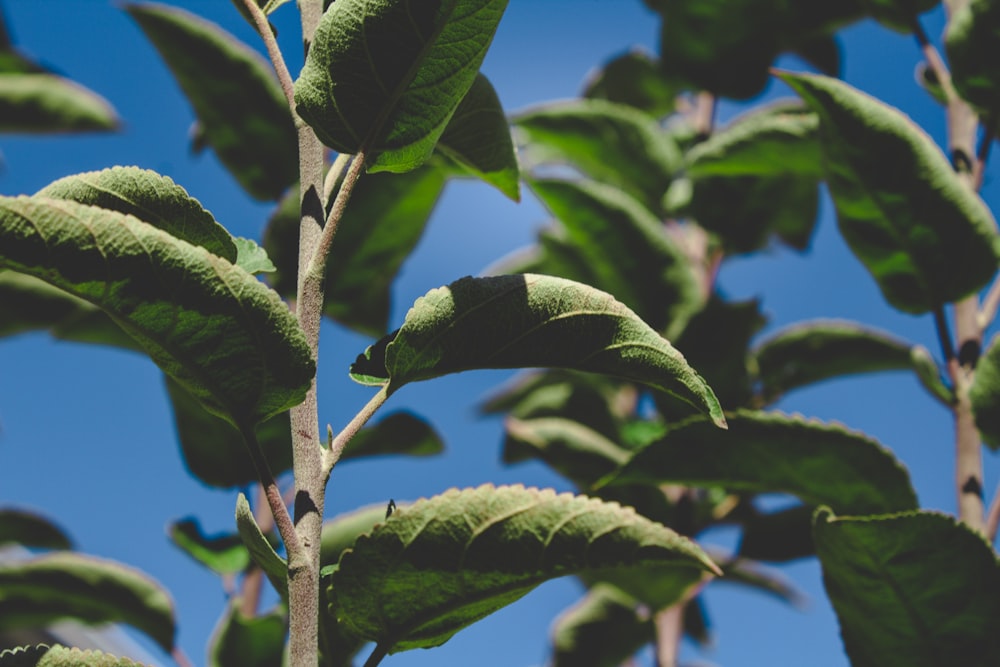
{"x":383,"y":222}
{"x":972,"y":40}
{"x":261,"y":551}
{"x":341,"y":532}
{"x":441,"y":564}
{"x":44,"y":103}
{"x":152,"y":198}
{"x":656,"y":586}
{"x":822,"y":52}
{"x":386,"y":76}
{"x":602,"y":630}
{"x":628,"y":250}
{"x":779,"y":536}
{"x":811,"y":352}
{"x":611,"y":143}
{"x":924,"y":235}
{"x":223,"y":554}
{"x":251,"y":257}
{"x":577,"y":452}
{"x":899,"y":15}
{"x":31,"y":530}
{"x":478,"y":140}
{"x":636,"y":80}
{"x":546,"y":321}
{"x":42,"y":655}
{"x":915,"y":589}
{"x":37,"y":592}
{"x":769,"y":452}
{"x":221,"y":334}
{"x":243,"y":114}
{"x":396,"y":433}
{"x":248,"y":641}
{"x":985,"y":394}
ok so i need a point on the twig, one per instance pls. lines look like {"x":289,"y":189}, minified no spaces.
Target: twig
{"x":704,"y":114}
{"x":669,"y":630}
{"x":271,"y":492}
{"x":332,"y":455}
{"x":335,"y":175}
{"x":273,"y":52}
{"x":180,"y":657}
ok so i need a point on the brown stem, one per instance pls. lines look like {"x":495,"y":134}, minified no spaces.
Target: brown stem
{"x":669,"y":631}
{"x":271,"y":492}
{"x":273,"y":52}
{"x":704,"y":114}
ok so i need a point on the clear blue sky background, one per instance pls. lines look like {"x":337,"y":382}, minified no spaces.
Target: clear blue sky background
{"x":87,"y":436}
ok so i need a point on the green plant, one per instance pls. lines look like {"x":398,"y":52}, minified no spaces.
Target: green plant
{"x":126,"y":257}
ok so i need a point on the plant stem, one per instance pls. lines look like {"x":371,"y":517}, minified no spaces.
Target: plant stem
{"x":273,"y":52}
{"x":669,"y":630}
{"x":332,"y":455}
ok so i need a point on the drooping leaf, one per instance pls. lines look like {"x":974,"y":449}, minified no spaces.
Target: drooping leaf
{"x":243,"y":114}
{"x":261,"y":551}
{"x":924,"y":235}
{"x":771,"y":452}
{"x":611,"y":143}
{"x":43,"y":655}
{"x":387,"y":76}
{"x":31,"y":530}
{"x":579,"y":453}
{"x":444,"y":563}
{"x":972,"y":39}
{"x":478,"y":140}
{"x":45,"y":103}
{"x":779,"y":536}
{"x":35,"y":593}
{"x":224,"y":336}
{"x":900,"y":15}
{"x":601,"y":630}
{"x":811,"y":352}
{"x":985,"y":394}
{"x":223,"y":554}
{"x":636,"y":80}
{"x":527,"y":321}
{"x":383,"y":222}
{"x":248,"y":641}
{"x":152,"y":198}
{"x":397,"y":433}
{"x":916,"y":589}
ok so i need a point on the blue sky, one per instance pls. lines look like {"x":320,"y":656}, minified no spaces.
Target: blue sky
{"x":86,"y":435}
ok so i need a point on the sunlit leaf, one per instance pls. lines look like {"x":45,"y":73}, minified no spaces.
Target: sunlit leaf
{"x":972,"y":39}
{"x":601,"y":630}
{"x":31,"y":530}
{"x":261,"y":551}
{"x":387,"y":76}
{"x":528,"y":321}
{"x":634,"y":79}
{"x":251,"y":257}
{"x":441,"y":564}
{"x":248,"y":641}
{"x":223,"y":554}
{"x":916,"y":589}
{"x":43,"y":655}
{"x":45,"y":103}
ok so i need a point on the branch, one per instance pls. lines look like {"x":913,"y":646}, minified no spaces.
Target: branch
{"x":669,"y":630}
{"x":273,"y":52}
{"x":271,"y":491}
{"x":332,"y":455}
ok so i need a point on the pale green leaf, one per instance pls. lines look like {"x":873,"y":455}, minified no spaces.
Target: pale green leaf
{"x":45,"y":103}
{"x":636,"y":80}
{"x":528,"y":321}
{"x":251,"y":257}
{"x":386,"y":76}
{"x":441,"y":564}
{"x":248,"y":641}
{"x":31,"y":530}
{"x":985,"y":394}
{"x":43,"y":655}
{"x":601,"y":630}
{"x":223,"y":554}
{"x":261,"y":551}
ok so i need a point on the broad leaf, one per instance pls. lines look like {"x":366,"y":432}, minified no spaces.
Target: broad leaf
{"x":924,"y":235}
{"x":972,"y":40}
{"x":636,"y":80}
{"x":221,"y":334}
{"x":45,"y":103}
{"x":915,"y":589}
{"x":251,"y":257}
{"x":478,"y":140}
{"x":779,"y":536}
{"x":608,"y":142}
{"x":243,"y":114}
{"x":386,"y":76}
{"x":342,"y":531}
{"x":770,"y":452}
{"x":656,"y":586}
{"x":396,"y":433}
{"x":812,"y":352}
{"x":441,"y":564}
{"x":43,"y":655}
{"x":580,"y":454}
{"x":37,"y":592}
{"x":248,"y":641}
{"x":31,"y":530}
{"x":261,"y":551}
{"x":223,"y":554}
{"x":602,"y":630}
{"x":900,"y":15}
{"x":985,"y":394}
{"x":822,"y":52}
{"x":525,"y":321}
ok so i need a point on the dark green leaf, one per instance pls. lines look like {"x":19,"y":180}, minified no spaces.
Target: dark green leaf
{"x":526,"y":321}
{"x":636,"y":80}
{"x":396,"y":433}
{"x":602,"y":630}
{"x":243,"y":114}
{"x":478,"y":140}
{"x":223,"y":554}
{"x":261,"y":551}
{"x":608,"y":142}
{"x":769,"y":452}
{"x":248,"y":641}
{"x":656,"y":586}
{"x":900,"y":15}
{"x":31,"y":530}
{"x":822,"y":52}
{"x":924,"y":235}
{"x":37,"y":592}
{"x":779,"y":536}
{"x":916,"y":589}
{"x":985,"y":394}
{"x":44,"y":103}
{"x":386,"y":76}
{"x":579,"y":453}
{"x":972,"y":40}
{"x":441,"y":564}
{"x":213,"y":327}
{"x":60,"y":656}
{"x":748,"y":573}
{"x":342,"y":531}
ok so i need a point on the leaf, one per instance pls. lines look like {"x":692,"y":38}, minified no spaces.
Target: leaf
{"x":972,"y":38}
{"x":899,"y":15}
{"x":223,"y":554}
{"x":915,"y":589}
{"x":261,"y":551}
{"x":152,"y":198}
{"x":397,"y":433}
{"x":444,"y":563}
{"x":478,"y":140}
{"x":383,"y":222}
{"x":656,"y":586}
{"x":779,"y":536}
{"x":251,"y":257}
{"x":822,"y":52}
{"x":31,"y":530}
{"x":221,"y":334}
{"x":545,"y":321}
{"x":611,"y":143}
{"x":44,"y":103}
{"x":386,"y":76}
{"x":636,"y":80}
{"x":769,"y":452}
{"x":37,"y":592}
{"x":248,"y":641}
{"x":985,"y":394}
{"x":42,"y":655}
{"x":748,"y":573}
{"x":627,"y":248}
{"x":341,"y":532}
{"x":242,"y":112}
{"x":924,"y":235}
{"x":577,"y":452}
{"x":601,"y":630}
{"x":811,"y":352}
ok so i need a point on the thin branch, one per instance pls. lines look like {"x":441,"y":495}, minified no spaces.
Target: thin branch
{"x":180,"y":657}
{"x":944,"y":334}
{"x":282,"y":519}
{"x":318,"y":264}
{"x":335,"y":175}
{"x":274,"y":53}
{"x":704,"y":114}
{"x":332,"y":455}
{"x":669,"y":630}
{"x":993,"y":517}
